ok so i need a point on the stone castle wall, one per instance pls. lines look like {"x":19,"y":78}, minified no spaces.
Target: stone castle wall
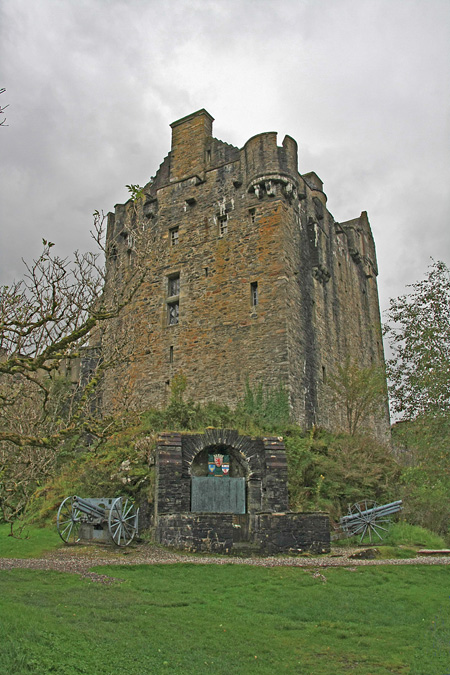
{"x":248,"y":276}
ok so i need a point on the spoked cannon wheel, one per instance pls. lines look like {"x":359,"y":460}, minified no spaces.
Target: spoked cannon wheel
{"x":68,"y":522}
{"x":123,"y":521}
{"x":367,"y":521}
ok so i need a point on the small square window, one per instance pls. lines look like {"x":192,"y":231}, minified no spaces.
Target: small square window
{"x":173,"y":313}
{"x":223,"y":225}
{"x":173,"y":286}
{"x":254,"y":293}
{"x":173,"y":236}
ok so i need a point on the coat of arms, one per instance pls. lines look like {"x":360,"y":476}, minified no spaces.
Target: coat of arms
{"x":218,"y":464}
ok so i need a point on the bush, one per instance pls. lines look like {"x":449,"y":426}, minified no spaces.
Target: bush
{"x":119,"y":467}
{"x":329,"y":472}
{"x":423,"y":447}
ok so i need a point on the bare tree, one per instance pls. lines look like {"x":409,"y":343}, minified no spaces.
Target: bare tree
{"x":47,"y":320}
{"x":2,"y":110}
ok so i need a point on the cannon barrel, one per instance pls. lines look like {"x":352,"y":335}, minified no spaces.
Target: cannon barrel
{"x":377,"y":512}
{"x":88,"y":508}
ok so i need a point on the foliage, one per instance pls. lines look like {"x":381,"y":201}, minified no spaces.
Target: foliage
{"x":418,"y":331}
{"x":261,"y":409}
{"x":165,"y":618}
{"x":136,"y":192}
{"x":423,"y":447}
{"x":24,"y":467}
{"x":329,"y":472}
{"x":48,"y":320}
{"x":182,"y":415}
{"x":120,"y":466}
{"x":266,"y":408}
{"x":360,"y":392}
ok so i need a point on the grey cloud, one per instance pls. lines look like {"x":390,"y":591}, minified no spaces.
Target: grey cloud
{"x":363,"y":87}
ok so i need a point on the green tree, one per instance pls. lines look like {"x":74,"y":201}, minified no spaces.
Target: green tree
{"x":418,"y":332}
{"x":422,"y":447}
{"x":360,"y":392}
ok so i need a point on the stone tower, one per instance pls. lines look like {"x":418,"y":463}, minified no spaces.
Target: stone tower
{"x":248,"y":276}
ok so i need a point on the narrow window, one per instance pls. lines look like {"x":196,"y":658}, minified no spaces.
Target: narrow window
{"x":324,"y":375}
{"x":173,"y":303}
{"x":206,"y":271}
{"x":254,"y":293}
{"x":223,"y":225}
{"x":252,"y":214}
{"x":173,"y":286}
{"x":171,"y":354}
{"x":173,"y":236}
{"x":173,"y":313}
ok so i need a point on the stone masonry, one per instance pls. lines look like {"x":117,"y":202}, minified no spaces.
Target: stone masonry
{"x":264,"y":526}
{"x":248,"y":276}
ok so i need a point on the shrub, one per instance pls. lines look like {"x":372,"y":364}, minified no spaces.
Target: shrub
{"x":329,"y":472}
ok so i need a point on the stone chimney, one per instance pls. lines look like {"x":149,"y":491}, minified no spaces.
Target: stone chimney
{"x":189,"y":140}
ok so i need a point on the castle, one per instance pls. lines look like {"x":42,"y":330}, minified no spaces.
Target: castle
{"x":248,"y":275}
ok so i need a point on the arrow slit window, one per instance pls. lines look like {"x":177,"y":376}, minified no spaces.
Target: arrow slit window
{"x":173,"y":299}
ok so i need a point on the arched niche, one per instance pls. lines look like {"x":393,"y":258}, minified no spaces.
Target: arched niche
{"x":219,"y":480}
{"x":260,"y":462}
{"x":238,"y":466}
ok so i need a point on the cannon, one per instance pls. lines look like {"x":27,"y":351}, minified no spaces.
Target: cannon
{"x":367,"y":518}
{"x":105,"y":520}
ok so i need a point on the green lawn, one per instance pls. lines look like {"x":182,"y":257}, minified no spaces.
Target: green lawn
{"x":227,"y":619}
{"x":31,"y":542}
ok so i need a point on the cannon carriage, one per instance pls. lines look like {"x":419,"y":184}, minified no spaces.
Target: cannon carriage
{"x":367,"y":519}
{"x":102,"y":519}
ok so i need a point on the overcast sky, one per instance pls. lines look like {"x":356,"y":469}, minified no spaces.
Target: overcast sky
{"x":92,"y":86}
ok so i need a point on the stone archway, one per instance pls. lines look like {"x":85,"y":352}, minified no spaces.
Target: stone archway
{"x":248,"y":462}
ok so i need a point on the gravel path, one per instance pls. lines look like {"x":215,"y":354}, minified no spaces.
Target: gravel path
{"x":82,"y":559}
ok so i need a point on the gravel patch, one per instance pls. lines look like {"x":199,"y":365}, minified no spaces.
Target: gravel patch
{"x":81,"y":560}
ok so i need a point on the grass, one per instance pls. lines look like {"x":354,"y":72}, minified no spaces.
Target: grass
{"x":228,"y":619}
{"x":401,"y":535}
{"x":31,"y":542}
